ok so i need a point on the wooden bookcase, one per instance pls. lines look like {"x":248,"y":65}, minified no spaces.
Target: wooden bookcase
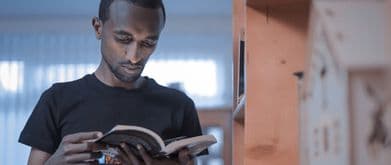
{"x":346,"y":96}
{"x":265,"y":127}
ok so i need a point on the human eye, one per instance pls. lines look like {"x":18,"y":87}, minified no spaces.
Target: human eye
{"x":123,"y":39}
{"x":148,"y":43}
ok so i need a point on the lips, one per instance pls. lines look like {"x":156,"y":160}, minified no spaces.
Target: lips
{"x":131,"y":67}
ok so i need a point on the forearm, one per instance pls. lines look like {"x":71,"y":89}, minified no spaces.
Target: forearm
{"x":192,"y":162}
{"x":38,"y":157}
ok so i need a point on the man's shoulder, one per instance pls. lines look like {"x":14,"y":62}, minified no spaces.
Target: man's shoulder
{"x":167,"y":92}
{"x":73,"y":87}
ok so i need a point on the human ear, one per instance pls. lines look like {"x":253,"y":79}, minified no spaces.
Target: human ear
{"x":97,"y":24}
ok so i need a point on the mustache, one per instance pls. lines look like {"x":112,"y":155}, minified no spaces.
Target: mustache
{"x":139,"y":64}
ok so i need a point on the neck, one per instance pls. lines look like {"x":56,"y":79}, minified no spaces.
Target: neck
{"x":104,"y":74}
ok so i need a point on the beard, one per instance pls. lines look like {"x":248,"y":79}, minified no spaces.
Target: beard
{"x":121,"y":74}
{"x":124,"y":77}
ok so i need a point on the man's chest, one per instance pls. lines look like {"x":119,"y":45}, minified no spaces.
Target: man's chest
{"x":102,"y":115}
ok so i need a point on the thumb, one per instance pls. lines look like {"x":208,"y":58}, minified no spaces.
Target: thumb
{"x":97,"y":136}
{"x":184,"y":156}
{"x":147,"y":159}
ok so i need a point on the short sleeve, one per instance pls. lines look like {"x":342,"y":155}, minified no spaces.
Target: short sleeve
{"x":40,"y":130}
{"x":191,"y":126}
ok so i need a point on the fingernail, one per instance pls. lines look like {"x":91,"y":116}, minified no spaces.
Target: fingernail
{"x":122,"y":144}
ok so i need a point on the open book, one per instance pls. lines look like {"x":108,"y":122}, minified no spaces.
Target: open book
{"x":152,"y":142}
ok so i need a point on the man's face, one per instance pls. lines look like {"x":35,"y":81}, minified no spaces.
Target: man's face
{"x":129,"y":37}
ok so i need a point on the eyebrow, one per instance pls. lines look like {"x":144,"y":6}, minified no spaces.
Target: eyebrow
{"x":122,"y":32}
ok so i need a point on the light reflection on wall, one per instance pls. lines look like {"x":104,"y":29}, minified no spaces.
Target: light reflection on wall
{"x":198,"y":76}
{"x":216,"y":150}
{"x":11,"y":76}
{"x":62,"y":73}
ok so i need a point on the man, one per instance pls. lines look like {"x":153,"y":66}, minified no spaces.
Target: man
{"x":69,"y":116}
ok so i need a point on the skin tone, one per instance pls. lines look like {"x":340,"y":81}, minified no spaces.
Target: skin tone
{"x":74,"y":149}
{"x":128,"y":38}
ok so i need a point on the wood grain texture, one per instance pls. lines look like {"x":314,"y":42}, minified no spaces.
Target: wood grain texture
{"x":272,"y":3}
{"x":276,"y":44}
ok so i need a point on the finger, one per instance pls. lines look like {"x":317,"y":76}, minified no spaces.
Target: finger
{"x":94,"y":162}
{"x":87,"y":163}
{"x":129,"y":153}
{"x":147,"y":159}
{"x":81,"y":147}
{"x":79,"y":137}
{"x":126,"y":158}
{"x":76,"y":158}
{"x":122,"y":156}
{"x":98,"y":147}
{"x":184,"y":156}
{"x":99,"y":135}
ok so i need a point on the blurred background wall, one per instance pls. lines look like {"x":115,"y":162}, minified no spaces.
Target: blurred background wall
{"x":47,"y":41}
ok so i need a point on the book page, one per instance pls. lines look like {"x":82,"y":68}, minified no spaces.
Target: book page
{"x":194,"y":144}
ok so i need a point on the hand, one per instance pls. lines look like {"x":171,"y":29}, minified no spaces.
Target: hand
{"x":76,"y":149}
{"x":128,"y":158}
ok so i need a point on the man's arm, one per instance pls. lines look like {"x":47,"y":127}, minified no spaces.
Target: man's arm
{"x":75,"y":148}
{"x":38,"y":157}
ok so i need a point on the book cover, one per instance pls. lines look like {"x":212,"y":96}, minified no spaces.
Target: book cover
{"x":152,"y":142}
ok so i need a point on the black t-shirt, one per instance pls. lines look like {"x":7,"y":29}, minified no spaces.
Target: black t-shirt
{"x":88,"y":104}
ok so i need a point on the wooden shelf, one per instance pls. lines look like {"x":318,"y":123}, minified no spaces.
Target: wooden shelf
{"x":238,"y":114}
{"x":270,"y":3}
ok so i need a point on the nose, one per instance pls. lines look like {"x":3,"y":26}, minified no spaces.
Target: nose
{"x":132,"y":53}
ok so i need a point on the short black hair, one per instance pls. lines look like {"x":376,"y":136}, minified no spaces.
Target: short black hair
{"x":152,"y":4}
